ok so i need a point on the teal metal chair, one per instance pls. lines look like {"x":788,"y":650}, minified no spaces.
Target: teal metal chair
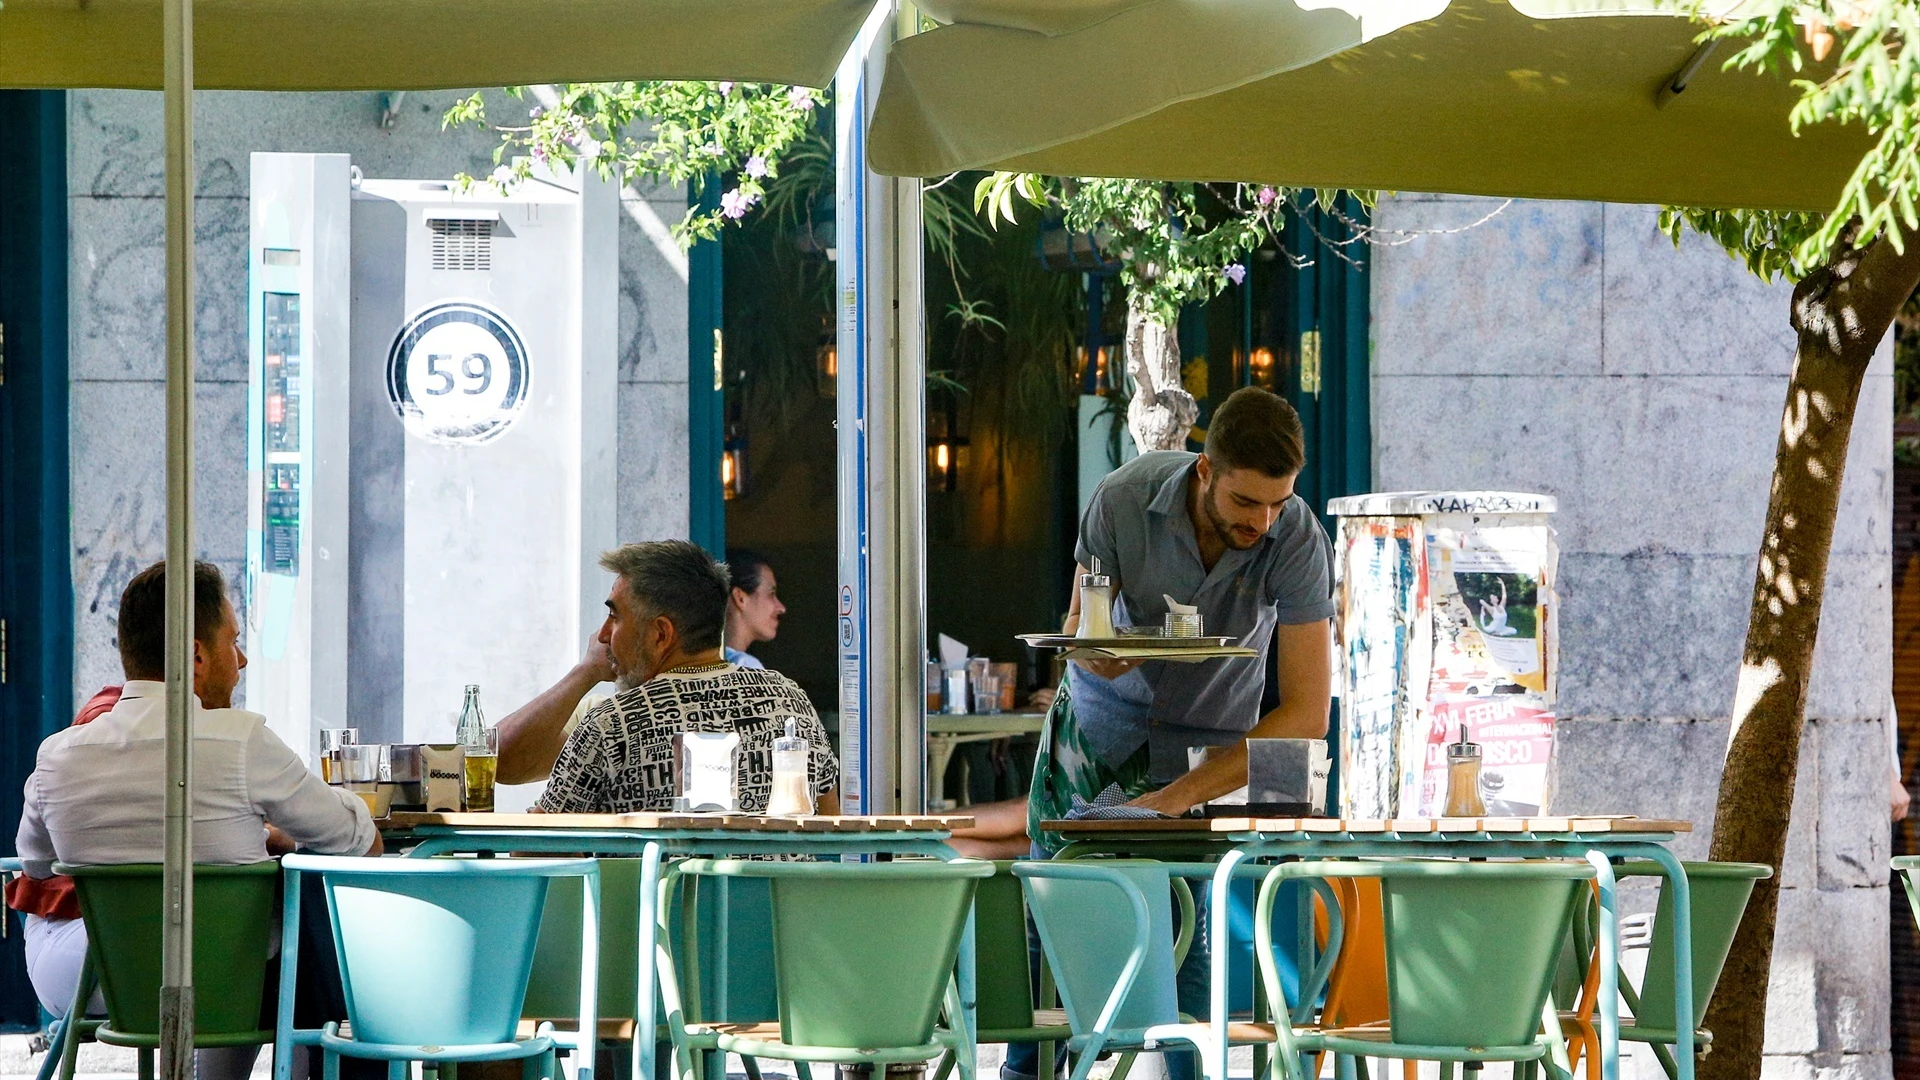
{"x":434,"y":959}
{"x":1008,"y":1011}
{"x":1718,"y":894}
{"x":1107,"y":928}
{"x":1471,"y":948}
{"x":863,"y":960}
{"x":232,"y":933}
{"x":56,"y":1028}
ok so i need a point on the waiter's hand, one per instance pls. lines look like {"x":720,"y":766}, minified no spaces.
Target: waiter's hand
{"x":1109,"y":669}
{"x":1160,"y":801}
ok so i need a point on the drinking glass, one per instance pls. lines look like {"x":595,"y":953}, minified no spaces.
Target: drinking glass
{"x":986,"y":694}
{"x":331,"y":740}
{"x":360,"y":771}
{"x":482,"y":765}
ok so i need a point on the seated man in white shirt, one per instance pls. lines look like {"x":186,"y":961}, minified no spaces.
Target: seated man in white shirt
{"x":97,"y":794}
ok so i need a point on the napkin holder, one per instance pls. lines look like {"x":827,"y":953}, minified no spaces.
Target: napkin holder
{"x":1285,"y":778}
{"x":445,"y":766}
{"x":706,"y":773}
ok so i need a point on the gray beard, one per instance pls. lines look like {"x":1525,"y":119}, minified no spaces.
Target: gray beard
{"x":624,"y":682}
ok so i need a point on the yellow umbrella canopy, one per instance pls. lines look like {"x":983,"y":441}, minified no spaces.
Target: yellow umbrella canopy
{"x":426,"y":44}
{"x":1552,"y":99}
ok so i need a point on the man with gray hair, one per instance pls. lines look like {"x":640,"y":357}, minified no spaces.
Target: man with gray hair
{"x":662,"y":637}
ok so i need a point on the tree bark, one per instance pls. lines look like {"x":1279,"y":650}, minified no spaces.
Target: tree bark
{"x":1840,"y":313}
{"x":1161,"y":412}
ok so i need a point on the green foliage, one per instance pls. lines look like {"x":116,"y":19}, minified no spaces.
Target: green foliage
{"x":1178,"y":243}
{"x":671,"y":132}
{"x":1874,"y":82}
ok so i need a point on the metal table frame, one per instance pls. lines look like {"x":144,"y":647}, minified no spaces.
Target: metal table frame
{"x":1598,"y":848}
{"x":652,"y":845}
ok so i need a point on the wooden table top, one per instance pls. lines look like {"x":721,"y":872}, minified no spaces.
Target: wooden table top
{"x":678,"y":822}
{"x":1214,"y":826}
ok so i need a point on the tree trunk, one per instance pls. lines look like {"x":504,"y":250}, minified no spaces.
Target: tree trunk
{"x":1840,"y":313}
{"x":1161,"y":412}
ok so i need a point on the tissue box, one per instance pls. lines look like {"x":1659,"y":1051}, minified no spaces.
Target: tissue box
{"x":1287,"y":777}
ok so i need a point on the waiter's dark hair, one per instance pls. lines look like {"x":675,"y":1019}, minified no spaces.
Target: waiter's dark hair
{"x":1256,"y":429}
{"x":677,"y":579}
{"x":143,"y":617}
{"x":747,"y":569}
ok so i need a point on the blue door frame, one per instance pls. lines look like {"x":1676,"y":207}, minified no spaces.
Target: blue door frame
{"x":36,"y":588}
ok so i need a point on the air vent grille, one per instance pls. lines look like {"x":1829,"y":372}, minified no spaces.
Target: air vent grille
{"x":462,"y":244}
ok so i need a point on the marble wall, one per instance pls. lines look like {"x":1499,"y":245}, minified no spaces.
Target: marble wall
{"x":118,"y":314}
{"x":1568,"y":348}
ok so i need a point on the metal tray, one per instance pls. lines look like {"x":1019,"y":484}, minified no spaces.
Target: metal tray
{"x":1130,"y":641}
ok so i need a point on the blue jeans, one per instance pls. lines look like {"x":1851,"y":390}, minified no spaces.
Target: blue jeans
{"x":1192,"y":985}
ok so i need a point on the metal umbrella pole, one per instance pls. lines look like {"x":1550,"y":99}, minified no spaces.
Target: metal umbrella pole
{"x":176,"y":962}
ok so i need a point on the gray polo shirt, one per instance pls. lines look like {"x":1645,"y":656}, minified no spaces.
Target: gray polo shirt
{"x":1137,"y":525}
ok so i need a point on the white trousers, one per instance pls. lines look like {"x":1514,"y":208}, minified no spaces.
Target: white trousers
{"x":56,"y":948}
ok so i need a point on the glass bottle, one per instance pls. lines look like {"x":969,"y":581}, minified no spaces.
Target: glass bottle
{"x":476,"y":740}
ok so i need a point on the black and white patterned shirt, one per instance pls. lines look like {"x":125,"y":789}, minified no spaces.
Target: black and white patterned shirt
{"x":620,"y":758}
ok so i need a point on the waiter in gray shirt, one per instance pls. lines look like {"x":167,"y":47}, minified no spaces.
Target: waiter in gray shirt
{"x":1223,"y":531}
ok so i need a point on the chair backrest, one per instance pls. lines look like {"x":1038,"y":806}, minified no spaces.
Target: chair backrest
{"x":1002,"y":982}
{"x":862,"y":952}
{"x":1904,"y":867}
{"x":437,"y":951}
{"x":1472,"y":947}
{"x":1719,"y":892}
{"x":1088,"y":927}
{"x":1357,"y":988}
{"x":233,"y":909}
{"x":553,"y":985}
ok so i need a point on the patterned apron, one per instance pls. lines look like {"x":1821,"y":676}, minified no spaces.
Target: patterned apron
{"x":1065,"y":766}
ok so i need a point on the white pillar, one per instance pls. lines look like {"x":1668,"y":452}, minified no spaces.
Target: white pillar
{"x":881,"y":437}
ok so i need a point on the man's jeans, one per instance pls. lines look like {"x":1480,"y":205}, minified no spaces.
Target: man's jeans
{"x":1192,"y":985}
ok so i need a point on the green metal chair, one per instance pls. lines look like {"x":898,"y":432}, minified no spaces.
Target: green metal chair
{"x":1718,"y":894}
{"x":863,"y":959}
{"x":232,"y":934}
{"x":1106,"y":926}
{"x":434,"y":960}
{"x":729,"y":930}
{"x":1905,"y":865}
{"x":1471,"y":948}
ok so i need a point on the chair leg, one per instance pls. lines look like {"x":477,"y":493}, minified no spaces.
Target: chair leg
{"x":942,"y":1070}
{"x":146,"y":1064}
{"x":752,"y":1065}
{"x":331,"y":1069}
{"x":1446,"y":1070}
{"x":398,"y":1070}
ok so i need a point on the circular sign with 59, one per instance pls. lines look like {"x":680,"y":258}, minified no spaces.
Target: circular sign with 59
{"x":457,"y":373}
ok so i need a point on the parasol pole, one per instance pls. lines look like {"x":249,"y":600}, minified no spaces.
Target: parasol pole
{"x":176,"y":959}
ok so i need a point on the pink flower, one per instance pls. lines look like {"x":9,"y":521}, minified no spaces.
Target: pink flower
{"x":735,"y":204}
{"x":756,"y":166}
{"x":533,"y":113}
{"x":1267,"y":195}
{"x":1236,"y":273}
{"x":725,"y":88}
{"x":540,"y":152}
{"x":800,"y":98}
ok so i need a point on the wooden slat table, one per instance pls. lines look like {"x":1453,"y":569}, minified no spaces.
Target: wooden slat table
{"x":652,"y":837}
{"x":1234,"y":842}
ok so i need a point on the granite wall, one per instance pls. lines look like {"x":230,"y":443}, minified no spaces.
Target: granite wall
{"x":1568,"y":348}
{"x":118,"y":314}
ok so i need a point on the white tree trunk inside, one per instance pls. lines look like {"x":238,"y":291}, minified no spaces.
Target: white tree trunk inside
{"x":1161,"y":412}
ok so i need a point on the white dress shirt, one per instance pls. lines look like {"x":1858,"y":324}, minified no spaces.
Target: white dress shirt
{"x":97,"y":795}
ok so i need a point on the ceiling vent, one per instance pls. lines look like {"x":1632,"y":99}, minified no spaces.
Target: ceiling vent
{"x":462,"y":243}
